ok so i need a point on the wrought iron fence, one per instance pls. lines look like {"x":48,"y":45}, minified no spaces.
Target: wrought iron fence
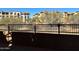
{"x":69,"y":29}
{"x":46,"y":28}
{"x":21,"y":27}
{"x":43,"y":28}
{"x":3,"y":27}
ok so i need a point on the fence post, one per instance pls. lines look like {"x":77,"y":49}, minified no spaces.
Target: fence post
{"x":35,"y":28}
{"x":58,"y":28}
{"x":8,"y":28}
{"x":34,"y":34}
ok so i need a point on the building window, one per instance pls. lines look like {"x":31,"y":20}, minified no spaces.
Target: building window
{"x":18,"y":14}
{"x":3,"y":13}
{"x":7,"y":13}
{"x":7,"y":16}
{"x":11,"y":13}
{"x":21,"y":13}
{"x":14,"y":13}
{"x":3,"y":16}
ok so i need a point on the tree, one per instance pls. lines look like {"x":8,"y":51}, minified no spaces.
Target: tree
{"x":11,"y":21}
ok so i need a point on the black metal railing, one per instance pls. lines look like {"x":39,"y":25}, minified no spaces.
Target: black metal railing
{"x":42,"y":28}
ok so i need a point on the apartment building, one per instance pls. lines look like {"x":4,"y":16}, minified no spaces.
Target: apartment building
{"x":55,"y":17}
{"x":23,"y":15}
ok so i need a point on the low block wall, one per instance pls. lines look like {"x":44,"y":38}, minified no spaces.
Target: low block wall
{"x":48,"y":41}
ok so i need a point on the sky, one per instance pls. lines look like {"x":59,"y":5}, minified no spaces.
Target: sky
{"x":33,"y":11}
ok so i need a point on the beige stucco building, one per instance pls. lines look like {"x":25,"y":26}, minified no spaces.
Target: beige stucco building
{"x":23,"y":15}
{"x":57,"y":17}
